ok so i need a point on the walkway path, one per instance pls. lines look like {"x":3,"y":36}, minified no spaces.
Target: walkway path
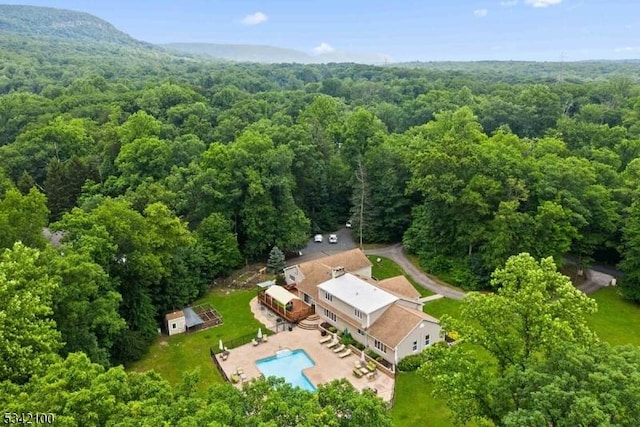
{"x":595,"y":281}
{"x":431,"y":298}
{"x":396,"y":253}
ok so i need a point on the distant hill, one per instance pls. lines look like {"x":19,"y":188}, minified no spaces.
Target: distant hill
{"x":241,"y":52}
{"x":269,"y":54}
{"x":70,"y":25}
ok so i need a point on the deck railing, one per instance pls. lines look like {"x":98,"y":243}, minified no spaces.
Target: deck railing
{"x":293,"y":316}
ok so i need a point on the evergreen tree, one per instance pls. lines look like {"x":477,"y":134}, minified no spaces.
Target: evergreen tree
{"x":275,"y":263}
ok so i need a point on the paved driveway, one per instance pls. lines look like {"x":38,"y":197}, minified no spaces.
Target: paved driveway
{"x":315,"y":250}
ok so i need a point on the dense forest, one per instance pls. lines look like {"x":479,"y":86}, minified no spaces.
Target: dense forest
{"x":163,"y":172}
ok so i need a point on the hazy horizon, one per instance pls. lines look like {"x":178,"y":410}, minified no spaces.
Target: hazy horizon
{"x":519,"y":30}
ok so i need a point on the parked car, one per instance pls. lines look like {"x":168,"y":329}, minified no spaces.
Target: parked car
{"x":348,"y":224}
{"x":317,"y":238}
{"x":333,"y":238}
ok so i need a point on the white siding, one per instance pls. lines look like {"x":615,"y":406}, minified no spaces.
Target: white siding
{"x":405,"y":348}
{"x":177,"y":326}
{"x":293,"y":275}
{"x":412,"y":304}
{"x":363,"y":272}
{"x":338,"y":323}
{"x":343,"y":307}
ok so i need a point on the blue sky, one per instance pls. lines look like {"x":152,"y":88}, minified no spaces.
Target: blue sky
{"x":402,"y":30}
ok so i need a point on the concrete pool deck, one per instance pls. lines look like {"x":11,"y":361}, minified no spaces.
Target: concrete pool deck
{"x":328,"y":366}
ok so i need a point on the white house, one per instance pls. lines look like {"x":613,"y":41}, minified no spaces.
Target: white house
{"x":176,"y":322}
{"x":385,"y":316}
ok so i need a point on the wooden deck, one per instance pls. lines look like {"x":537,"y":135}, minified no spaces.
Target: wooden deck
{"x":299,"y":310}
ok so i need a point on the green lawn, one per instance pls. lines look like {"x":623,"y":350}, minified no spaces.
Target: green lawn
{"x":442,"y":306}
{"x":387,"y":268}
{"x":173,"y":356}
{"x":617,"y":321}
{"x":414,"y":405}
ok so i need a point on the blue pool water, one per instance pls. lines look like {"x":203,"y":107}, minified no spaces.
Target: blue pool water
{"x":289,"y":365}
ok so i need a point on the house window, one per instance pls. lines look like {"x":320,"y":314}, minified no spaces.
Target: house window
{"x":359,"y":314}
{"x":415,"y":346}
{"x":173,"y":325}
{"x":330,"y":315}
{"x":427,"y":340}
{"x":360,"y":331}
{"x":328,"y":296}
{"x":377,"y":344}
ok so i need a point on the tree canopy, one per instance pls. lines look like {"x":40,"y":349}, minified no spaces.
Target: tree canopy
{"x":526,"y":356}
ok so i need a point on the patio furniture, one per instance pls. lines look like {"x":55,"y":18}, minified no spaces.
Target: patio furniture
{"x":264,"y":339}
{"x":345,"y":353}
{"x":326,"y":339}
{"x":372,"y":376}
{"x":240,"y":372}
{"x":333,"y":343}
{"x":339,"y":348}
{"x":357,"y":364}
{"x":357,"y":373}
{"x":254,"y":342}
{"x":224,"y":356}
{"x":235,"y":378}
{"x":364,"y":370}
{"x":371,"y":366}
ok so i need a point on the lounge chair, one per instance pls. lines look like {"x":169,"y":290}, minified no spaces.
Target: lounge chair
{"x":371,"y":366}
{"x":241,"y":374}
{"x":357,"y":373}
{"x":254,"y":342}
{"x":326,"y":339}
{"x":371,"y":376}
{"x":264,"y":339}
{"x":339,"y":348}
{"x":333,"y":343}
{"x":235,"y":378}
{"x":357,"y":364}
{"x":224,"y":356}
{"x":345,"y":353}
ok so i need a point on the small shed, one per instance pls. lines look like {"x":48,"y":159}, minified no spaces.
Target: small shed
{"x":176,"y":322}
{"x":192,"y":319}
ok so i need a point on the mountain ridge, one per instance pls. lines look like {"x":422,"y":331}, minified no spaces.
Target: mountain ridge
{"x":36,"y":21}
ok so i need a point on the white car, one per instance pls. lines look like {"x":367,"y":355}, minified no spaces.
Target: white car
{"x":348,"y":224}
{"x":317,"y":238}
{"x":333,"y":238}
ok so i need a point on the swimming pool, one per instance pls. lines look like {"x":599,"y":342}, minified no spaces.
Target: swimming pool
{"x":289,"y":365}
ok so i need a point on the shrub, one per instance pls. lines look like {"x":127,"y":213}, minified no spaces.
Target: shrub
{"x":348,"y":340}
{"x":372,"y":354}
{"x":280,"y":280}
{"x":411,"y":363}
{"x":332,"y":329}
{"x":358,"y":345}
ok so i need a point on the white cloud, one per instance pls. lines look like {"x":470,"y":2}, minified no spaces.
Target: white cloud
{"x":255,"y":19}
{"x":508,"y":3}
{"x":323,"y":48}
{"x":542,"y":3}
{"x":480,"y":13}
{"x":627,"y":49}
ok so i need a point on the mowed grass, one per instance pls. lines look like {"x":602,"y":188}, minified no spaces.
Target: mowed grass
{"x":387,"y":268}
{"x":414,"y":405}
{"x":173,"y":356}
{"x":617,"y":320}
{"x":437,"y":308}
